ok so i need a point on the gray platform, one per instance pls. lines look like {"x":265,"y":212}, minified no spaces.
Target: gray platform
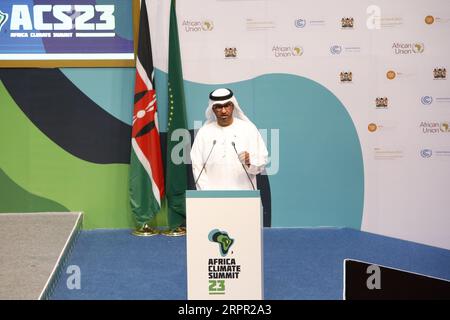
{"x":32,"y":247}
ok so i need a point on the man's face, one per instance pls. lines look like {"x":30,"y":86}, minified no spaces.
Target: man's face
{"x":224,"y":113}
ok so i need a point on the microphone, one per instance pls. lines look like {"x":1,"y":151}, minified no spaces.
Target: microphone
{"x":204,"y":165}
{"x":243,"y":166}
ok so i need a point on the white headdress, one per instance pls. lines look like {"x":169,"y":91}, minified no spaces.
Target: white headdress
{"x":223,"y":96}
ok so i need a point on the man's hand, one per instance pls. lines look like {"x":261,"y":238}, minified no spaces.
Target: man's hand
{"x":244,"y":157}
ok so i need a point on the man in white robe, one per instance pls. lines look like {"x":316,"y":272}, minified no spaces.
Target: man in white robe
{"x":228,"y":150}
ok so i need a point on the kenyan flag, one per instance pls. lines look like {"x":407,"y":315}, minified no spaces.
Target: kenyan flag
{"x":146,"y":167}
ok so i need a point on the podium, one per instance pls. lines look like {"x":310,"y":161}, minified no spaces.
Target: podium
{"x":224,"y":245}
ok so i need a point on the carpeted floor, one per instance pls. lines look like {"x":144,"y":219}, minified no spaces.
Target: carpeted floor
{"x":31,"y":247}
{"x":298,"y":263}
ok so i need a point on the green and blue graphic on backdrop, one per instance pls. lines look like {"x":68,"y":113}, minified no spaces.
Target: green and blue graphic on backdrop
{"x":65,"y":146}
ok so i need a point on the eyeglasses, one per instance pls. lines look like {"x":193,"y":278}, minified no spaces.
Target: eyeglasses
{"x":220,"y":106}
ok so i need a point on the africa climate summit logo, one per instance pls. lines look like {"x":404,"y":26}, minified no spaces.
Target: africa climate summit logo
{"x":3,"y":19}
{"x":223,"y":239}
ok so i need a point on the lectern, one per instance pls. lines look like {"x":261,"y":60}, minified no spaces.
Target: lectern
{"x":224,"y":245}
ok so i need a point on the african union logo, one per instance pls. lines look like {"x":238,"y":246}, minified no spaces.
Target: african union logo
{"x":426,"y":100}
{"x":336,"y":49}
{"x":3,"y":19}
{"x":408,"y":47}
{"x":300,"y":23}
{"x":418,"y":47}
{"x":207,"y":25}
{"x":223,"y":239}
{"x":297,"y":51}
{"x":426,"y":153}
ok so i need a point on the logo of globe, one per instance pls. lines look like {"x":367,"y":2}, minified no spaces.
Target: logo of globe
{"x":223,"y":239}
{"x":336,"y":49}
{"x":426,"y":153}
{"x":300,"y":23}
{"x":426,"y":100}
{"x":3,"y":19}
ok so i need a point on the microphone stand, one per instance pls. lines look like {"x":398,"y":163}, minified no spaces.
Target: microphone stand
{"x":243,"y":166}
{"x":204,"y":165}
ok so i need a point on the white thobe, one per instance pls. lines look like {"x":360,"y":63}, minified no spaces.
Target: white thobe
{"x":224,"y":171}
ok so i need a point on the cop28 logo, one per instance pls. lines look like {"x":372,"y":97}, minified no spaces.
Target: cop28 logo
{"x":3,"y":19}
{"x":223,"y":239}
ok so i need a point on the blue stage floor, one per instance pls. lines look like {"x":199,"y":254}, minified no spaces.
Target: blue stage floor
{"x":298,"y":263}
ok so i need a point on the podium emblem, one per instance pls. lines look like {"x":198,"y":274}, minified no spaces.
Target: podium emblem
{"x":223,"y":239}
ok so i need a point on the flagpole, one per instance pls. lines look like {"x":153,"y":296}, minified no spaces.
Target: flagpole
{"x":146,"y":168}
{"x":176,"y":173}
